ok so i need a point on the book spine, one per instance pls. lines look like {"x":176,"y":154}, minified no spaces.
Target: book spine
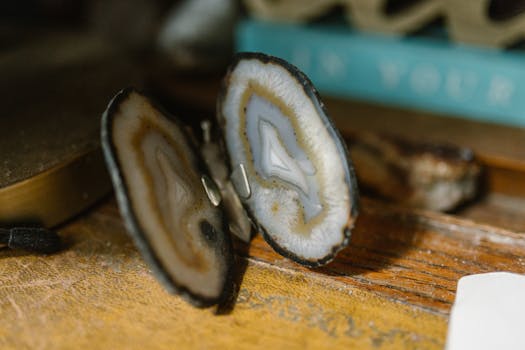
{"x":425,"y":73}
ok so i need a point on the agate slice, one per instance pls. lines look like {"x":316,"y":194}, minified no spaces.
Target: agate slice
{"x":289,"y":165}
{"x":169,"y":205}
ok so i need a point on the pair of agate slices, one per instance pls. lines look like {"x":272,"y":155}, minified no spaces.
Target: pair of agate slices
{"x":279,"y":163}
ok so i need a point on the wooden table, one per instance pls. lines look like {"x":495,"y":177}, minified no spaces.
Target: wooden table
{"x":392,"y":288}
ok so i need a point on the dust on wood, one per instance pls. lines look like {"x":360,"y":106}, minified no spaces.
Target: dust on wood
{"x":392,"y":288}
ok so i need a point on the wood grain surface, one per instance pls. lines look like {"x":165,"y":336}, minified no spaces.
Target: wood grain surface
{"x":499,"y":210}
{"x":392,"y":288}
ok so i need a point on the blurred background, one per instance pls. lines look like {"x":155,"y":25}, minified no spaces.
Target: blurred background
{"x":426,"y":84}
{"x":429,"y":96}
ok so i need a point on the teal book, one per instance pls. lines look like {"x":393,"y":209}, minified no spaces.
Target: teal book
{"x":429,"y":73}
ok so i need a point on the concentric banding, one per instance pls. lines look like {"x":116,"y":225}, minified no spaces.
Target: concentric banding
{"x":157,"y":178}
{"x":303,"y":193}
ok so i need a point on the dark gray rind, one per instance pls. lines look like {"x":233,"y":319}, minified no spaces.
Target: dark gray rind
{"x":350,"y":176}
{"x":131,"y":221}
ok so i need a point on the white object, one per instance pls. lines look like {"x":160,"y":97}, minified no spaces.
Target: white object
{"x":488,"y":313}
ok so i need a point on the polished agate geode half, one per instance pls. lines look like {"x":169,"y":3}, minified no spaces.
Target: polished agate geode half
{"x":297,"y":182}
{"x":158,"y":179}
{"x":283,"y":167}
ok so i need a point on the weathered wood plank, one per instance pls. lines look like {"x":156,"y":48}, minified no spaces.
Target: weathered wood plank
{"x":415,"y":257}
{"x":498,"y":209}
{"x":392,"y":289}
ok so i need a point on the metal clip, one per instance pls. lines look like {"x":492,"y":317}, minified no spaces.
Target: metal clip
{"x":212,"y":191}
{"x":240,"y":180}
